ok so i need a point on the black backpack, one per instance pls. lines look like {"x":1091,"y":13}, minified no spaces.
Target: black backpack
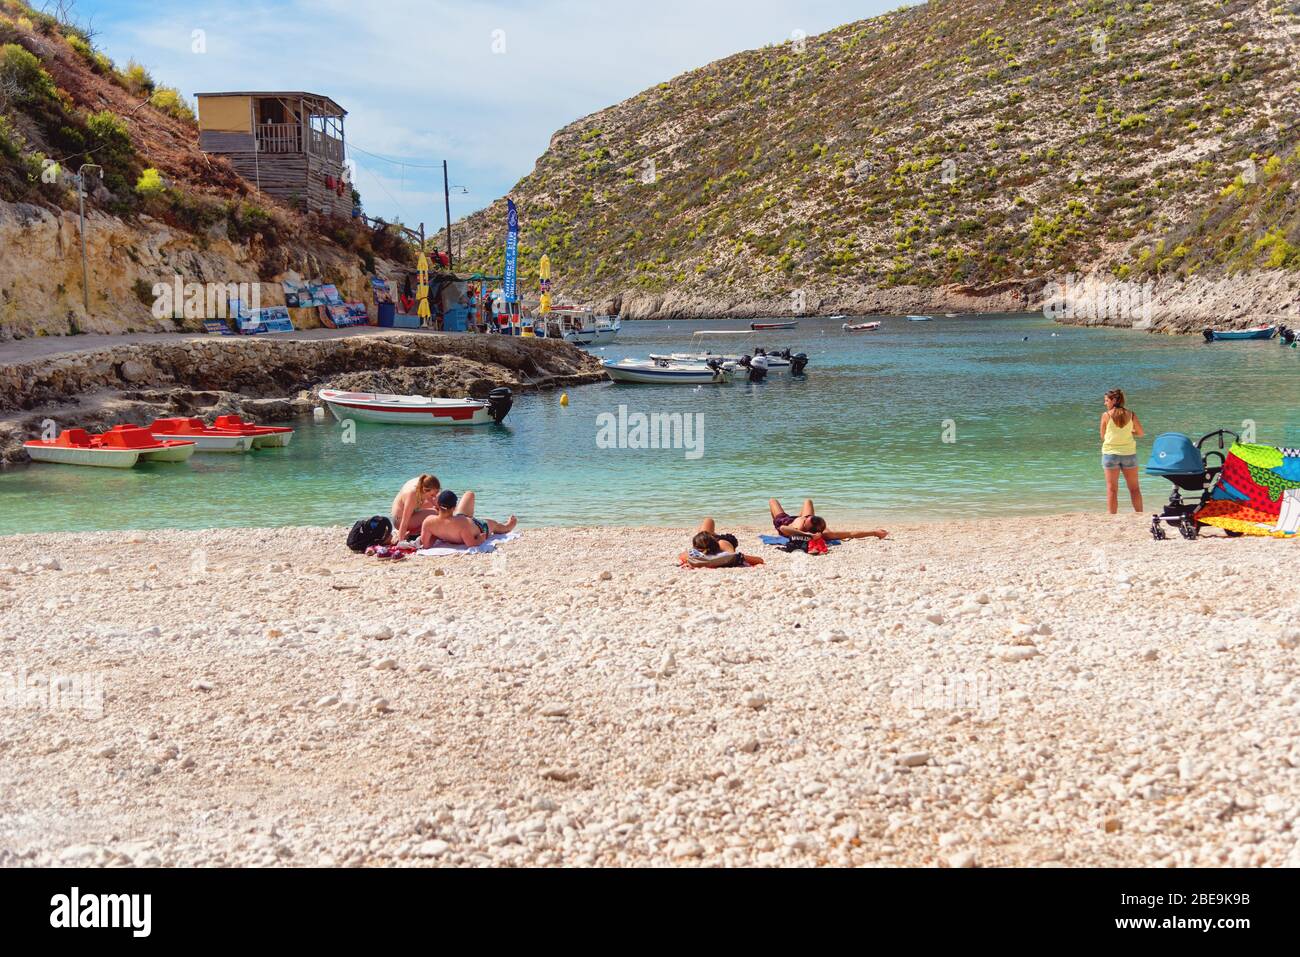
{"x":370,"y":531}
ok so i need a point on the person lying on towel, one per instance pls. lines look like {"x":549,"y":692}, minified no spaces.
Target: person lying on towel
{"x":453,"y":522}
{"x":711,"y":550}
{"x":809,"y":523}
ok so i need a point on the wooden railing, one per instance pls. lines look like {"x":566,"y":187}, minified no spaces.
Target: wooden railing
{"x":326,"y":146}
{"x":287,"y":138}
{"x":279,"y":138}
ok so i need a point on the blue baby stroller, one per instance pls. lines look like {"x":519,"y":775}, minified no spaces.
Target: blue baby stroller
{"x":1185,"y":463}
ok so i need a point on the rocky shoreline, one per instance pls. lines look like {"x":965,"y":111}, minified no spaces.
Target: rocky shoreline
{"x":1176,"y":307}
{"x":901,"y":300}
{"x":267,"y":378}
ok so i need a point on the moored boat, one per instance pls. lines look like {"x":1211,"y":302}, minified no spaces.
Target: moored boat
{"x":783,"y":360}
{"x":580,"y":326}
{"x":920,"y":318}
{"x":204,"y":437}
{"x":666,"y":371}
{"x":121,"y":447}
{"x":264,"y":436}
{"x":764,"y":326}
{"x":1230,"y":335}
{"x":417,"y":409}
{"x":861,"y":326}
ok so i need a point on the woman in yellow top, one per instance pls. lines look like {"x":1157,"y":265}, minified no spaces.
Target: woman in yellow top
{"x":1120,"y":430}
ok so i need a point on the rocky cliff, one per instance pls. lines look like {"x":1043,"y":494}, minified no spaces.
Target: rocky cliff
{"x":961,"y":154}
{"x":41,"y":277}
{"x":157,"y":207}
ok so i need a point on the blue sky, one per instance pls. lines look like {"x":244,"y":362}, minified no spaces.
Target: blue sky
{"x":422,"y":83}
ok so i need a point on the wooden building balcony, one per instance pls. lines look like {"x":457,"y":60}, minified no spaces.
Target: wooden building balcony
{"x":289,"y":145}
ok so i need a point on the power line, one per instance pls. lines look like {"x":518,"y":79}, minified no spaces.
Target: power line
{"x":380,"y":183}
{"x":353,"y":146}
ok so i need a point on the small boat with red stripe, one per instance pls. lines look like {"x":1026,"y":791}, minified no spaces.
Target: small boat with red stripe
{"x":417,"y":409}
{"x":861,"y":326}
{"x":768,"y":326}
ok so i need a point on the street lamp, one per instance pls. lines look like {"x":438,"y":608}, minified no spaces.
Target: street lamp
{"x":81,"y":204}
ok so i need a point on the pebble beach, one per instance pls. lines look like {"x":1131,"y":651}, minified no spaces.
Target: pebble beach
{"x":1050,"y":691}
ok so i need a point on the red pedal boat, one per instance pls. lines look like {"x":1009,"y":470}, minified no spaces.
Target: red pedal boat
{"x":264,"y":436}
{"x":121,"y":447}
{"x":204,"y":437}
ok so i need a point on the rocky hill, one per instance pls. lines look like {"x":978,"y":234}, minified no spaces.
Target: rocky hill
{"x":161,"y":208}
{"x":958,"y":154}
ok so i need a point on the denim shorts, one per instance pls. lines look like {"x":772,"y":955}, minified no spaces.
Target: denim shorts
{"x":1119,"y":462}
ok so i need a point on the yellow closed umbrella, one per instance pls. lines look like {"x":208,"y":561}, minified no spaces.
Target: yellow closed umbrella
{"x":544,"y":272}
{"x":422,"y":287}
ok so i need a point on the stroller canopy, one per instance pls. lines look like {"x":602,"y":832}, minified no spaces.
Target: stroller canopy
{"x":1175,"y":454}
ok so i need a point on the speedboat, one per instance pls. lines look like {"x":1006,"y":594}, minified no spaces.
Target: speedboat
{"x":204,"y":437}
{"x":762,"y":326}
{"x":783,"y":360}
{"x":920,"y":318}
{"x":1229,"y":335}
{"x":264,"y":436}
{"x":121,"y":447}
{"x":774,"y":362}
{"x":417,"y":409}
{"x":861,"y":326}
{"x":666,"y":371}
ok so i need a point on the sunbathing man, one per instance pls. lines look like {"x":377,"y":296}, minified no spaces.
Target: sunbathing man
{"x":808,"y":522}
{"x":454,"y":523}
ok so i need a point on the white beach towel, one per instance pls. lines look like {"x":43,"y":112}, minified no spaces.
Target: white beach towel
{"x":1289,"y":521}
{"x":442,"y":548}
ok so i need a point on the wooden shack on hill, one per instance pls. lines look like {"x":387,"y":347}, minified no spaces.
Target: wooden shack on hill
{"x":290,"y":145}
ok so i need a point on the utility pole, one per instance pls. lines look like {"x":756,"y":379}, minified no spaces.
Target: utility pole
{"x":446,"y":195}
{"x":81,"y":204}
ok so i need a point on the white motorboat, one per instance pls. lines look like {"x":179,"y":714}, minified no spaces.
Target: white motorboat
{"x":783,"y":360}
{"x":920,"y":318}
{"x":580,"y":326}
{"x":861,"y":326}
{"x":666,"y":371}
{"x":417,"y":409}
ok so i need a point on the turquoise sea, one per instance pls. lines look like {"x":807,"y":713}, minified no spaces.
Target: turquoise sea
{"x":863,"y":434}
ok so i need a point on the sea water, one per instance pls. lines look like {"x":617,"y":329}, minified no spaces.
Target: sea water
{"x":956,"y":418}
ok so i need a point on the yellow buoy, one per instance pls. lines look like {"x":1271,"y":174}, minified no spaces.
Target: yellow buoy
{"x":564,"y":398}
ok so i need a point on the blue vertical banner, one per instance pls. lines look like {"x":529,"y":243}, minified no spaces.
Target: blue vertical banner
{"x":512,"y":252}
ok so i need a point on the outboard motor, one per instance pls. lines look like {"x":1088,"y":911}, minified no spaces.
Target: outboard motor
{"x":1209,"y":334}
{"x":798,"y":362}
{"x":500,"y":402}
{"x":716,"y":366}
{"x":757,"y":367}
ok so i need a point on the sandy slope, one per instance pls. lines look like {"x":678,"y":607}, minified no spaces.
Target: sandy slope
{"x":270,"y":699}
